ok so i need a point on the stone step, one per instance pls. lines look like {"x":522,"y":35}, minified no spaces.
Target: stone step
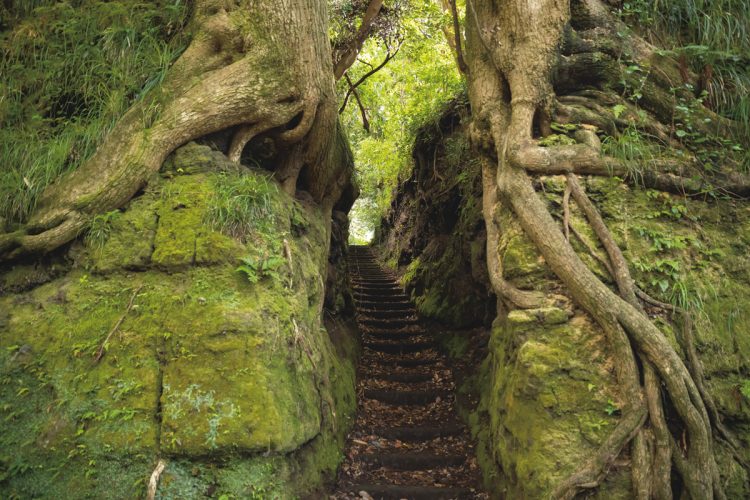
{"x":411,"y":461}
{"x":377,"y":286}
{"x":387,"y":323}
{"x":371,"y":295}
{"x":388,"y":334}
{"x":419,"y":433}
{"x":399,"y":348}
{"x":410,"y":398}
{"x":386,"y":313}
{"x":386,"y":304}
{"x":404,"y":377}
{"x":399,"y":492}
{"x":409,"y":362}
{"x":374,"y":278}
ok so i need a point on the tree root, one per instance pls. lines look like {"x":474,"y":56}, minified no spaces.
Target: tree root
{"x":243,"y":135}
{"x":607,"y":307}
{"x":520,"y":298}
{"x":619,"y":265}
{"x":566,"y":211}
{"x":584,"y":160}
{"x":687,"y":343}
{"x":100,"y":352}
{"x":216,"y":84}
{"x":153,"y":482}
{"x":628,"y":290}
{"x":505,"y":98}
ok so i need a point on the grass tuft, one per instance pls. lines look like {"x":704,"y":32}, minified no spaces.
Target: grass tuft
{"x":69,"y":73}
{"x":242,"y":204}
{"x":714,"y":37}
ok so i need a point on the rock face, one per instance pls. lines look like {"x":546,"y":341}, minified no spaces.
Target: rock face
{"x":545,"y":389}
{"x":227,"y":373}
{"x":434,"y":233}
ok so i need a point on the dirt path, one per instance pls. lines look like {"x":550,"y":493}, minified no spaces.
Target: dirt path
{"x":407,"y":441}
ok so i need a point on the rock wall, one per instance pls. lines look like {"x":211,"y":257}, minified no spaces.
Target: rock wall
{"x":434,"y":233}
{"x":545,"y":394}
{"x":229,"y":374}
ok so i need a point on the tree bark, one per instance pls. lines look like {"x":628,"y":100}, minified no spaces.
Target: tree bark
{"x":257,"y":65}
{"x":346,"y":57}
{"x":513,"y":54}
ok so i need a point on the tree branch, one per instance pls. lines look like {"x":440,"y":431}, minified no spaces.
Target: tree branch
{"x":365,"y":121}
{"x":349,"y":53}
{"x":457,"y":36}
{"x":353,"y":86}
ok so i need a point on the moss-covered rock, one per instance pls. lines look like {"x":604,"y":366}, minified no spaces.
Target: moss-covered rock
{"x":546,"y":393}
{"x":548,"y":400}
{"x":238,"y":385}
{"x":548,"y":397}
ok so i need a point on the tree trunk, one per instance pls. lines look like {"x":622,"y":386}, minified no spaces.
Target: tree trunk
{"x":257,"y":66}
{"x":513,"y":53}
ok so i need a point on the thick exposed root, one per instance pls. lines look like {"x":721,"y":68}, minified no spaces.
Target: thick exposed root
{"x":583,"y":160}
{"x":240,"y":139}
{"x":222,"y":80}
{"x":619,"y":265}
{"x":602,"y":303}
{"x":505,"y":98}
{"x":522,"y":299}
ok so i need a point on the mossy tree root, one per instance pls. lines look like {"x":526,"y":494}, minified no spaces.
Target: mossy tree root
{"x":269,"y":70}
{"x":506,"y":98}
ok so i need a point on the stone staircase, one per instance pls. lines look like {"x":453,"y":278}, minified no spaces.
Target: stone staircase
{"x":407,"y":441}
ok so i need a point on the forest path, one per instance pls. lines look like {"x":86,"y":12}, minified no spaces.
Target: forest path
{"x":407,"y":441}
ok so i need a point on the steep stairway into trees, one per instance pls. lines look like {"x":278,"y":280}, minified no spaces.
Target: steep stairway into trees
{"x":407,"y":441}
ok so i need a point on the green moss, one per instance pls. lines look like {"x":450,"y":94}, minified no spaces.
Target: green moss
{"x":181,"y":213}
{"x":545,"y":316}
{"x":233,"y":381}
{"x":131,"y":239}
{"x":545,"y":393}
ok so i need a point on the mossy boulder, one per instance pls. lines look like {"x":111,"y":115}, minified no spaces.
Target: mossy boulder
{"x":548,"y":399}
{"x":237,"y":384}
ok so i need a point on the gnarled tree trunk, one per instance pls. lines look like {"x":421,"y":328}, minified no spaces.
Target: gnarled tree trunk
{"x":253,"y":66}
{"x":513,"y":51}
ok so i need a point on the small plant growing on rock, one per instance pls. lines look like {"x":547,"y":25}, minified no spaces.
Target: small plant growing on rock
{"x":256,"y":269}
{"x":100,"y":228}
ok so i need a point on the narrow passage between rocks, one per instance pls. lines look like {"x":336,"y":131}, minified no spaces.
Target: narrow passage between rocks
{"x":407,"y":441}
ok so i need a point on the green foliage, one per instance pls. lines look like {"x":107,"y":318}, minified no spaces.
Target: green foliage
{"x":661,"y":241}
{"x":242,"y":204}
{"x":631,"y":146}
{"x":457,"y":153}
{"x":745,"y":388}
{"x":100,"y":228}
{"x":69,"y":72}
{"x":611,"y":408}
{"x":409,"y":92}
{"x":412,"y":271}
{"x":666,"y":273}
{"x":257,"y":269}
{"x":711,"y":34}
{"x":710,"y":149}
{"x":671,"y":207}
